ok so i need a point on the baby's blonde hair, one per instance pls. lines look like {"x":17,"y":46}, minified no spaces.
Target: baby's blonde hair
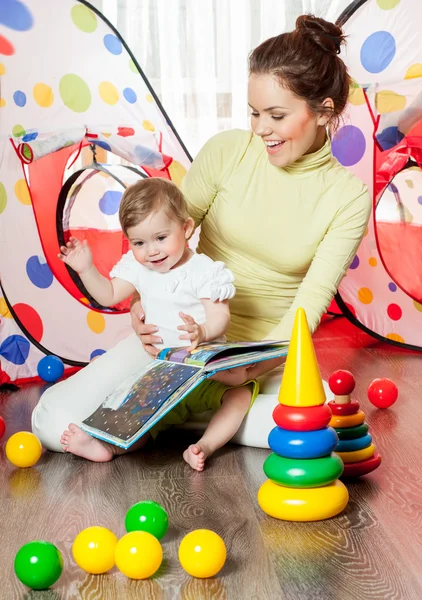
{"x":149,"y":195}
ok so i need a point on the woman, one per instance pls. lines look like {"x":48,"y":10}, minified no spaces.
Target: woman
{"x":273,"y":204}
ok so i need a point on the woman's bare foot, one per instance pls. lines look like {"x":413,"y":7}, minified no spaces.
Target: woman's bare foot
{"x":196,"y":455}
{"x":80,"y":443}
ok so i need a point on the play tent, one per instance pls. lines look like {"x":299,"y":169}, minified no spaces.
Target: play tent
{"x":63,"y":105}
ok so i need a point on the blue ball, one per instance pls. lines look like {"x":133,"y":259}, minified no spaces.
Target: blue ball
{"x":302,"y":444}
{"x":50,"y":368}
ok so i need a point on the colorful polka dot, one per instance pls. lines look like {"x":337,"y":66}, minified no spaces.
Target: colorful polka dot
{"x":409,"y":183}
{"x":15,"y":15}
{"x":19,"y":98}
{"x":387,"y":101}
{"x":84,"y":18}
{"x":177,"y":172}
{"x":96,"y":353}
{"x":15,"y":349}
{"x":365,"y":295}
{"x":355,"y":262}
{"x":113,"y":44}
{"x":30,"y":320}
{"x":75,"y":92}
{"x":18,"y":131}
{"x":372,"y":261}
{"x":4,"y":309}
{"x":148,"y":126}
{"x":110,"y":201}
{"x":132,"y":66}
{"x":30,"y":136}
{"x":377,"y":51}
{"x":417,"y":305}
{"x":3,"y":198}
{"x":2,"y":69}
{"x":130,"y":95}
{"x":125,"y":131}
{"x":96,"y":321}
{"x":39,"y":272}
{"x":22,"y":192}
{"x":392,"y":287}
{"x":419,"y":199}
{"x":356,"y":94}
{"x":43,"y":95}
{"x":389,"y":137}
{"x":395,"y":337}
{"x":108,"y":92}
{"x":6,"y":48}
{"x":147,"y":156}
{"x":149,"y":98}
{"x":103,"y":145}
{"x":349,"y":145}
{"x":2,"y":102}
{"x":414,"y":71}
{"x":387,"y":4}
{"x":394,"y":312}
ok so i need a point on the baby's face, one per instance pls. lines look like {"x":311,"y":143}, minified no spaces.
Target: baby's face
{"x":159,"y":242}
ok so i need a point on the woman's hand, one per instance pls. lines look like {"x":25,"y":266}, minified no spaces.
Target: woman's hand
{"x":144,"y":332}
{"x":194,"y":333}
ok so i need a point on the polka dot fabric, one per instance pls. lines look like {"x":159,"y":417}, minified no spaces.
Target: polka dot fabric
{"x":384,"y":57}
{"x":47,"y":104}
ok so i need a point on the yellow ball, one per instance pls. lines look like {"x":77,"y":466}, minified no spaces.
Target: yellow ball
{"x":202,"y":553}
{"x":23,"y":449}
{"x":138,"y":555}
{"x":93,"y":549}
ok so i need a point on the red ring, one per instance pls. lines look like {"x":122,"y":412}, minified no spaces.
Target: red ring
{"x":350,"y":408}
{"x":363,"y":467}
{"x":302,"y":418}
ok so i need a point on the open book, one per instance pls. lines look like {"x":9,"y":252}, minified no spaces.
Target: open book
{"x":141,"y":401}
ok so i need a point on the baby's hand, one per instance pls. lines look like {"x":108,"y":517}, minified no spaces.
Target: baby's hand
{"x":195,"y":333}
{"x":77,"y":255}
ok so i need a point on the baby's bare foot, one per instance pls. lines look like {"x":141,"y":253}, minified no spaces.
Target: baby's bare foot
{"x":80,"y":443}
{"x":195,"y":456}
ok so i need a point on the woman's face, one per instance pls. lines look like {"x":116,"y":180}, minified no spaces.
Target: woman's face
{"x":283,"y":121}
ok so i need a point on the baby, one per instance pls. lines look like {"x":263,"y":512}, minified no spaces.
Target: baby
{"x":184,"y":294}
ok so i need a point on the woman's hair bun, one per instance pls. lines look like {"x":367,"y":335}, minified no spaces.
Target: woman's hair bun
{"x":327,"y":36}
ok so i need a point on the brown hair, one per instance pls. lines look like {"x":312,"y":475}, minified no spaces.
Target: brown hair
{"x":149,"y":195}
{"x":305,"y":61}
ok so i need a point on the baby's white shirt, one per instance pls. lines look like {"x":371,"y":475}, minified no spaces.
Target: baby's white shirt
{"x":165,"y":295}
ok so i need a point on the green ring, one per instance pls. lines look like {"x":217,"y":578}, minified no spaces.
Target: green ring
{"x":351,"y":433}
{"x":303,"y":473}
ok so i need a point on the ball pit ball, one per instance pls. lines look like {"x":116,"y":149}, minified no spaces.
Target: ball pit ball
{"x":2,"y":427}
{"x":382,"y":392}
{"x":38,"y":565}
{"x":202,"y":553}
{"x":93,"y":549}
{"x":147,"y":516}
{"x":23,"y":449}
{"x":50,"y":368}
{"x":342,"y":382}
{"x":138,"y":555}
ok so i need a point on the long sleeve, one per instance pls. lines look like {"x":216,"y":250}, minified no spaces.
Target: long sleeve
{"x":329,"y":265}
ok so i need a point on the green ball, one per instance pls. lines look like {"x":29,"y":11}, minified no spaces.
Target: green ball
{"x":38,"y":565}
{"x":147,"y":516}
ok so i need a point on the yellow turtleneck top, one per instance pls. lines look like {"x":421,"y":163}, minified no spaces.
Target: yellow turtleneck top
{"x":288,"y":234}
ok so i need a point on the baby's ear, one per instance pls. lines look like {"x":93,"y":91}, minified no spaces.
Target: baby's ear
{"x":189,"y":228}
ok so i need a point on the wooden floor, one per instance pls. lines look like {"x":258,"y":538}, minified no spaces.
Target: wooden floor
{"x":372,"y":550}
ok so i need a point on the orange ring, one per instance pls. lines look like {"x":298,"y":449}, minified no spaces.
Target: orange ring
{"x":347,"y":421}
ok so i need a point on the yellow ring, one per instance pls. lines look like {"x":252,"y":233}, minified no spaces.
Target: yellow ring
{"x":357,"y":455}
{"x":348,"y":420}
{"x":302,"y":504}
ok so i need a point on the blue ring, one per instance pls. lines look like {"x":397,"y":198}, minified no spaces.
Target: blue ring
{"x":356,"y":444}
{"x":303,"y":444}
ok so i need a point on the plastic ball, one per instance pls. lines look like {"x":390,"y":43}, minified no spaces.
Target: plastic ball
{"x":93,"y":549}
{"x":147,"y":516}
{"x":2,"y":427}
{"x":202,"y":553}
{"x":342,"y":382}
{"x":138,"y":555}
{"x":23,"y":449}
{"x":50,"y":368}
{"x":38,"y":565}
{"x":382,"y":393}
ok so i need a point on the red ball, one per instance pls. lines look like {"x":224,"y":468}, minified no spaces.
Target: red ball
{"x":2,"y":427}
{"x":382,"y":393}
{"x":342,"y":382}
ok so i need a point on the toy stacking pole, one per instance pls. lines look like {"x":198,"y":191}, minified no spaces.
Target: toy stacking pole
{"x":303,"y":471}
{"x":355,"y":447}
